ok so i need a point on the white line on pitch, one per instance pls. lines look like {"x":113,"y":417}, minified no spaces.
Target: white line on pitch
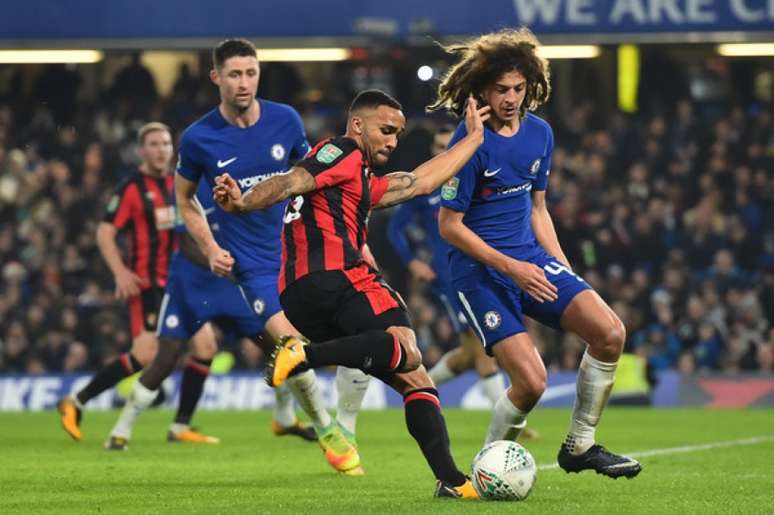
{"x":687,"y":448}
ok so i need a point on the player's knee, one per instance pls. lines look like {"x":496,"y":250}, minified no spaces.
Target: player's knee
{"x":529,"y":388}
{"x":536,"y":384}
{"x":144,"y":348}
{"x":408,"y":343}
{"x":166,"y":358}
{"x":615,"y":337}
{"x":204,"y":349}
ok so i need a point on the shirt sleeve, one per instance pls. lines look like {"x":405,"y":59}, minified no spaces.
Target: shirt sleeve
{"x":301,"y":144}
{"x":457,"y":193}
{"x":123,"y":205}
{"x":333,"y":162}
{"x":188,"y":164}
{"x":401,"y":217}
{"x":540,"y":182}
{"x":378,"y":187}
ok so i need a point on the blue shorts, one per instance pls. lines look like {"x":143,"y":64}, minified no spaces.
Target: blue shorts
{"x":448,"y":298}
{"x":496,"y":305}
{"x":195,"y":296}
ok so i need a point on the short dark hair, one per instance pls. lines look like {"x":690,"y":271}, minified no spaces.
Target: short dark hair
{"x":235,"y":47}
{"x":371,"y":99}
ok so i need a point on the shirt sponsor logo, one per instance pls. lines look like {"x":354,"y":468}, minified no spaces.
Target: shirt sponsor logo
{"x":249,"y":182}
{"x":505,"y":190}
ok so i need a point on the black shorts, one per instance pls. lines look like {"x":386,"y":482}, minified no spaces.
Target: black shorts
{"x":144,"y":310}
{"x":332,"y":304}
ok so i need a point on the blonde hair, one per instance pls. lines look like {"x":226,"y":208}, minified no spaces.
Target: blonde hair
{"x":151,"y":127}
{"x":485,"y":59}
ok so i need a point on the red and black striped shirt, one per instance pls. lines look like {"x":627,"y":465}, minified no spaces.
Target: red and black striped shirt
{"x":143,"y":208}
{"x":327,"y":228}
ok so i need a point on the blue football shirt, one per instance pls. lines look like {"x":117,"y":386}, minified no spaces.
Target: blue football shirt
{"x":493,"y":189}
{"x":212,"y":146}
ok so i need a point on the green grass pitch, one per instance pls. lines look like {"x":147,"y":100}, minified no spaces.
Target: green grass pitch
{"x":42,"y":470}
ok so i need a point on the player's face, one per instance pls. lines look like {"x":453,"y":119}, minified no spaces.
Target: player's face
{"x":237,"y":81}
{"x":379,"y":129}
{"x":156,"y":151}
{"x":440,"y":142}
{"x":506,"y":95}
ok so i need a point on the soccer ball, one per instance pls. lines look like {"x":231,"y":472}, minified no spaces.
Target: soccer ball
{"x":504,"y":471}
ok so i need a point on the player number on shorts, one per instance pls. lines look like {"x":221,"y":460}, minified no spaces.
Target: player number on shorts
{"x":555,"y":268}
{"x":293,"y":209}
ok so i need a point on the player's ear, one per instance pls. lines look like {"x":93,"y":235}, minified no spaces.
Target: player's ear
{"x":356,"y":122}
{"x":215,"y":76}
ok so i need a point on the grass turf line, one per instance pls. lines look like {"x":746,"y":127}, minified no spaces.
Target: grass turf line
{"x":42,"y":470}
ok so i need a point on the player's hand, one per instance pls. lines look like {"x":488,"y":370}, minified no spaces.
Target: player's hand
{"x":475,"y":117}
{"x":221,"y":262}
{"x":128,"y":284}
{"x":227,"y":194}
{"x":532,"y":279}
{"x":421,"y":270}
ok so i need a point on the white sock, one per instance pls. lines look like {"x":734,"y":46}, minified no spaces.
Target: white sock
{"x":507,"y":420}
{"x":178,"y":428}
{"x":595,"y":380}
{"x":441,"y":373}
{"x":493,"y":387}
{"x":351,"y":384}
{"x":308,"y":394}
{"x":139,"y":400}
{"x":78,"y":403}
{"x":284,"y":412}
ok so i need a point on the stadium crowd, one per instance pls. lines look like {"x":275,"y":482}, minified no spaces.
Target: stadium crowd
{"x":669,"y":215}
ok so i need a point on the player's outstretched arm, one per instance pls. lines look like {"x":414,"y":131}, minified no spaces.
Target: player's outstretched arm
{"x":428,"y":176}
{"x":264,"y":194}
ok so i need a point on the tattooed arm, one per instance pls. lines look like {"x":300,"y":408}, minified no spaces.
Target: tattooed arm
{"x":428,"y":176}
{"x":264,"y":194}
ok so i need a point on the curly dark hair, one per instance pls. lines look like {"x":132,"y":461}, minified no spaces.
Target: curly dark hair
{"x":485,"y":59}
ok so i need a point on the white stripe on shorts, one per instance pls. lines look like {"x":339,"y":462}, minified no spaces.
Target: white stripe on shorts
{"x":471,"y":317}
{"x":162,"y":313}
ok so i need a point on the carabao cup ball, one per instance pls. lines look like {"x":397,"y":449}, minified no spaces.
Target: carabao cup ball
{"x":504,"y":471}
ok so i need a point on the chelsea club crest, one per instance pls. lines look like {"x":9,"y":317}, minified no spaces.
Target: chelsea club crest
{"x":277,"y":152}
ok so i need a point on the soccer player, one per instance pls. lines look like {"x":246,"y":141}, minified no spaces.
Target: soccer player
{"x":328,"y":290}
{"x":195,"y":296}
{"x":254,"y":140}
{"x":142,"y":208}
{"x":470,"y":354}
{"x":506,"y":261}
